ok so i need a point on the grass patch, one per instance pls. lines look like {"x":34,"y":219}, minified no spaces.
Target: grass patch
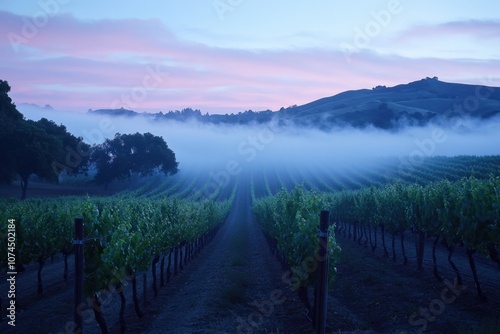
{"x":487,"y":326}
{"x":400,"y":283}
{"x":232,"y":295}
{"x":372,"y":280}
{"x":237,"y":261}
{"x":235,"y":293}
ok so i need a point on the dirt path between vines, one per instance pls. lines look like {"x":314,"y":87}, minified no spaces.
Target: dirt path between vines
{"x":235,"y":286}
{"x":388,"y":297}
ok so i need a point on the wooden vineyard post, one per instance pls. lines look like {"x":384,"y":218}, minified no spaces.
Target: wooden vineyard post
{"x":79,"y":263}
{"x":322,"y":287}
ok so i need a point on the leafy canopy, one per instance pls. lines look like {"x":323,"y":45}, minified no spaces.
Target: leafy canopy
{"x":127,"y":154}
{"x":40,"y":148}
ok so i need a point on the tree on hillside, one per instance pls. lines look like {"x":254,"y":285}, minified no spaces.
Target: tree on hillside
{"x":74,"y":158}
{"x":33,"y":152}
{"x":34,"y":148}
{"x":9,"y":119}
{"x":8,"y":109}
{"x":127,"y":154}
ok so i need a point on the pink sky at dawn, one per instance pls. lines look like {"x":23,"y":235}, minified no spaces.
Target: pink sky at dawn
{"x":147,"y":61}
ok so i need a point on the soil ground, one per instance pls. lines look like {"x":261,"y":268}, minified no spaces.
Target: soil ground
{"x":235,"y":285}
{"x":389,"y":297}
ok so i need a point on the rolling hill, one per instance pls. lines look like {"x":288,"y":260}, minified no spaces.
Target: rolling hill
{"x":416,"y":103}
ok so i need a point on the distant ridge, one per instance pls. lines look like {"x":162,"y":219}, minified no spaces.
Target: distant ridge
{"x":416,"y":103}
{"x":114,"y":112}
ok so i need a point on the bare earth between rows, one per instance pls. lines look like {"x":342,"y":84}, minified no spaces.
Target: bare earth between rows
{"x":235,"y":286}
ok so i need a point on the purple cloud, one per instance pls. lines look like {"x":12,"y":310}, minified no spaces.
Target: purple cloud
{"x":140,"y":64}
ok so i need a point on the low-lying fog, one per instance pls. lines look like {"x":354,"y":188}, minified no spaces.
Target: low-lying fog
{"x":210,"y":146}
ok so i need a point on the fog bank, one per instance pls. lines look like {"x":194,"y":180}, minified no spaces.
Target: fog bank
{"x":217,"y":146}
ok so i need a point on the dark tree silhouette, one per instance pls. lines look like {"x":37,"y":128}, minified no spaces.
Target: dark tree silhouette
{"x":35,"y":148}
{"x":7,"y":107}
{"x":10,"y":118}
{"x":127,"y":154}
{"x":74,"y":158}
{"x":34,"y":152}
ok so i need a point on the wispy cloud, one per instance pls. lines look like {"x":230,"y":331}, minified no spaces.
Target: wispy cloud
{"x":477,"y":29}
{"x":77,"y":64}
{"x":473,"y":39}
